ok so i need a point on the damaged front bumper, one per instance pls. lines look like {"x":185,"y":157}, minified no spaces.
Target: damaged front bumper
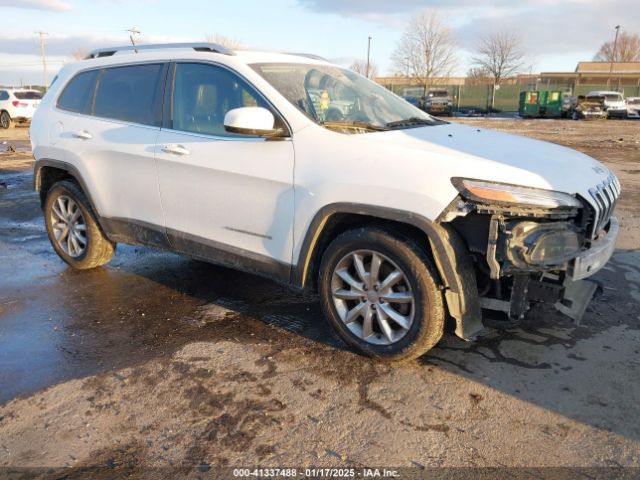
{"x":593,"y":259}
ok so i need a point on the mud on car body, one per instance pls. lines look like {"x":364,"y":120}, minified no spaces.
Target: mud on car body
{"x":296,"y":169}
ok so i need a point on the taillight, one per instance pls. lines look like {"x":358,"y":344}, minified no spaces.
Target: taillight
{"x":19,"y":104}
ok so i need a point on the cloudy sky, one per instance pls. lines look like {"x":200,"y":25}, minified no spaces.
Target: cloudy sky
{"x":556,"y":33}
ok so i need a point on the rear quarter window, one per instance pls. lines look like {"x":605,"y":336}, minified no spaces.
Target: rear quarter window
{"x":4,"y":95}
{"x":130,"y":94}
{"x":77,"y":95}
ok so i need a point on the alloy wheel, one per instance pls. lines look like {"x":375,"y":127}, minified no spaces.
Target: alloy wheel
{"x":373,"y":297}
{"x":69,"y":227}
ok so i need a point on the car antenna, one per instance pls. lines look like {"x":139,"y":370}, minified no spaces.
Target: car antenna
{"x":133,"y":31}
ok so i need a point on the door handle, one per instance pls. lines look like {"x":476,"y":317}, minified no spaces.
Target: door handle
{"x":83,"y":135}
{"x":175,"y":149}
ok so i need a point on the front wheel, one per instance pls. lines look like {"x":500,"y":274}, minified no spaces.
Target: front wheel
{"x":73,"y":229}
{"x":379,"y":294}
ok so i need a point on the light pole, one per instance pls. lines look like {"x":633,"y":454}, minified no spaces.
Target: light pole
{"x":44,"y":59}
{"x":368,"y":55}
{"x":613,"y":55}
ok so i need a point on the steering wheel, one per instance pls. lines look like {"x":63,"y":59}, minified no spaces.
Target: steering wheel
{"x":334,"y":115}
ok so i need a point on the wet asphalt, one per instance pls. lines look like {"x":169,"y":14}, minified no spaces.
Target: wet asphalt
{"x":57,"y":323}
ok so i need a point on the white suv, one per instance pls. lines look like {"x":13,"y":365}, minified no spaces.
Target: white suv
{"x":614,"y":103}
{"x":17,"y":105}
{"x":290,"y":167}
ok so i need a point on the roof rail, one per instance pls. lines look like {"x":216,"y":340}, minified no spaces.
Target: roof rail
{"x":200,"y":47}
{"x":307,"y":55}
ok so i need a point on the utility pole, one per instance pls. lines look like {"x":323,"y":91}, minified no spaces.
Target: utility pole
{"x":132,"y":32}
{"x":44,"y":59}
{"x":613,"y":55}
{"x":368,"y":56}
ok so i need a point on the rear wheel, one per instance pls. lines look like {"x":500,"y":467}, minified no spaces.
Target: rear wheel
{"x":5,"y":120}
{"x":73,"y":229}
{"x":379,"y":294}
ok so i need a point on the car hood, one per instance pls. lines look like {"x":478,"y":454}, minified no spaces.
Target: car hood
{"x":470,"y":152}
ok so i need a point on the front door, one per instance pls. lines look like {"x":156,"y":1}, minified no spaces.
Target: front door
{"x":225,"y":197}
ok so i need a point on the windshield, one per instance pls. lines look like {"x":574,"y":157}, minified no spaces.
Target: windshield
{"x":439,"y":93}
{"x":613,"y":98}
{"x":340,"y":99}
{"x":633,"y":101}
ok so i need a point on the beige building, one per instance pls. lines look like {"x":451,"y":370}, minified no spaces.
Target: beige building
{"x":586,"y":73}
{"x":597,"y":73}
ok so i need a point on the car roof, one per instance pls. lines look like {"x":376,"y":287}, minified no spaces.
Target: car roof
{"x":122,"y":54}
{"x":604,"y":92}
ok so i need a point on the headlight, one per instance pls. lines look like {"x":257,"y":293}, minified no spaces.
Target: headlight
{"x":502,"y":193}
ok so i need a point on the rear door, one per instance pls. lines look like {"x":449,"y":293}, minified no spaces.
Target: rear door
{"x":114,"y":145}
{"x":223,"y":194}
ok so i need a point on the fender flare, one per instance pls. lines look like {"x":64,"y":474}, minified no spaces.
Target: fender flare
{"x":449,"y":251}
{"x":73,"y":171}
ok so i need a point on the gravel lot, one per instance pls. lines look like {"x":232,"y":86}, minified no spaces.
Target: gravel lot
{"x":161,"y":361}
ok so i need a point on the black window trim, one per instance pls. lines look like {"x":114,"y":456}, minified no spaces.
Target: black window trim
{"x":158,"y":114}
{"x":167,"y":123}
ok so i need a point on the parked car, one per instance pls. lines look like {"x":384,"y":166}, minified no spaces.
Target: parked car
{"x":398,"y":219}
{"x":17,"y":106}
{"x":589,"y":108}
{"x":438,"y":102}
{"x":614,"y":103}
{"x":415,"y":101}
{"x":569,"y":103}
{"x":633,"y":107}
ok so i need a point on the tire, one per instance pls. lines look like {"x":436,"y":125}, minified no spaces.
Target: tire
{"x":423,"y":317}
{"x":97,"y":249}
{"x":5,"y":120}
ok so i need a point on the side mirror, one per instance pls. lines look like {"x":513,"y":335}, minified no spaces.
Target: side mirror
{"x":256,"y":121}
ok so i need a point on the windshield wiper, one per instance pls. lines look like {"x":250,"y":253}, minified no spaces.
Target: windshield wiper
{"x":409,"y":122}
{"x":348,"y":124}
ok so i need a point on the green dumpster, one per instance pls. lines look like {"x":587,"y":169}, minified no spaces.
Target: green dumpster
{"x":553,"y":104}
{"x":529,"y":104}
{"x":542,"y":103}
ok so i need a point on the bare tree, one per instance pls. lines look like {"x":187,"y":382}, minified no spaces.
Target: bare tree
{"x":228,"y":42}
{"x":426,"y":49}
{"x":500,"y":55}
{"x":360,"y":66}
{"x":477,"y":76}
{"x":626,"y":50}
{"x":79,"y":54}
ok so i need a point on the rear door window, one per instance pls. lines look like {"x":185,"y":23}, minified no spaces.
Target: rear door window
{"x":77,"y":95}
{"x":130,"y":94}
{"x":4,"y":95}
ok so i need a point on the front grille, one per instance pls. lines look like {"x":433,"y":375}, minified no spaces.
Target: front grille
{"x":605,"y":195}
